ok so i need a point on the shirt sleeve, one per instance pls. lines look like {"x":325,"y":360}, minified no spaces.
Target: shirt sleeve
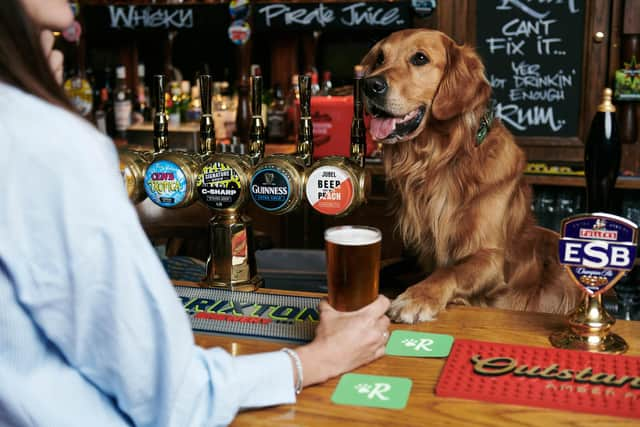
{"x":100,"y":295}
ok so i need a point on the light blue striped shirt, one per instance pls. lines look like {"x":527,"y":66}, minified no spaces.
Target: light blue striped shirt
{"x":91,"y":331}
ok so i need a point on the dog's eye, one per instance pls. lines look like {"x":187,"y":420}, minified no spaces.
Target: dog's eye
{"x":419,"y":59}
{"x":380,"y":58}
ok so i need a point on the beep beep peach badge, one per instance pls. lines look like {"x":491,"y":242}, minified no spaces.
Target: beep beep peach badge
{"x":330,"y":190}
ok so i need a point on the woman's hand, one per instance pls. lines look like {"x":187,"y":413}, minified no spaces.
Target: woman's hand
{"x":54,"y":57}
{"x":345,"y":341}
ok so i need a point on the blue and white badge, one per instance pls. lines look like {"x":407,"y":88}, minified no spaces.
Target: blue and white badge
{"x":165,"y":183}
{"x":597,"y":249}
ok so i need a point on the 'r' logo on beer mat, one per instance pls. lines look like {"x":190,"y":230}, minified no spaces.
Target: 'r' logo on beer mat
{"x":418,"y":344}
{"x":371,"y":390}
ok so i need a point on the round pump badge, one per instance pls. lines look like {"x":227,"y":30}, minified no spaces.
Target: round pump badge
{"x":165,"y":183}
{"x":270,"y":189}
{"x":330,"y":190}
{"x":239,"y":9}
{"x":239,"y":32}
{"x":219,"y":185}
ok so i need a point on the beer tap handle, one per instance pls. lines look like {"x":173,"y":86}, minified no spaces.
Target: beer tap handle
{"x":160,"y":119}
{"x":602,"y":156}
{"x":256,"y":133}
{"x":305,"y":133}
{"x":358,"y":130}
{"x":207,"y":130}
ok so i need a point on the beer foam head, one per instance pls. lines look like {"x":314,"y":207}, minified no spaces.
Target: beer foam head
{"x":352,"y":236}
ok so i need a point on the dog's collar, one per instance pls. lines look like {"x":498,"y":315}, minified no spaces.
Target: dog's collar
{"x":485,"y":123}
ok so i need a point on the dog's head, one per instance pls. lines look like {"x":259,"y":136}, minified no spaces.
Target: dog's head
{"x":415,"y":75}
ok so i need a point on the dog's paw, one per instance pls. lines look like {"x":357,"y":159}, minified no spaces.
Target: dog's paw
{"x":417,"y":304}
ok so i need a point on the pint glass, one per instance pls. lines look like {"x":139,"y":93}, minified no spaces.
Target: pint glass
{"x":353,"y":264}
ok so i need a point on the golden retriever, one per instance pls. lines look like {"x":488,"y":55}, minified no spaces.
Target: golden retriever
{"x":463,"y":204}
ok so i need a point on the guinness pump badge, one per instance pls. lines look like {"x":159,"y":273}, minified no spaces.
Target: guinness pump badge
{"x":271,"y":188}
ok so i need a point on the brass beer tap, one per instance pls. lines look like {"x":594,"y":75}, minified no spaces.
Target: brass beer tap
{"x":170,"y":180}
{"x":222,"y":185}
{"x":336,"y":185}
{"x":278,"y":180}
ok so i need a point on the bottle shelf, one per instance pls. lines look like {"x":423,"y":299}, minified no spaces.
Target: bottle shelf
{"x":623,"y":182}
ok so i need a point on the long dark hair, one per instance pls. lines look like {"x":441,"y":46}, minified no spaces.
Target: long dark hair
{"x":22,"y":60}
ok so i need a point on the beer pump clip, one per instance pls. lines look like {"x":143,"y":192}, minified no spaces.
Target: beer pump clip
{"x":170,"y":179}
{"x":336,"y":185}
{"x":278,"y":181}
{"x":222,"y":185}
{"x":597,"y":250}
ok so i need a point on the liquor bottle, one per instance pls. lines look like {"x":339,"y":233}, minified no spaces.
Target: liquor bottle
{"x":104,"y":114}
{"x":223,"y":112}
{"x":277,"y":117}
{"x":141,"y":110}
{"x":602,"y":156}
{"x":325,"y":89}
{"x":243,"y":111}
{"x":185,"y":99}
{"x":122,"y":104}
{"x":315,"y":85}
{"x":173,"y":103}
{"x":194,"y":110}
{"x":293,"y":97}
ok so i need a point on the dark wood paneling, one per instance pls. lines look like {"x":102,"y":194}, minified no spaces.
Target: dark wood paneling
{"x":631,"y":17}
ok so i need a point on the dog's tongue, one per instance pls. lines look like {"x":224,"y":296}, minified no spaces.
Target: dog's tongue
{"x":381,"y":128}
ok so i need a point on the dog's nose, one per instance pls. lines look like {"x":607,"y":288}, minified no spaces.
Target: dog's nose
{"x":375,"y":86}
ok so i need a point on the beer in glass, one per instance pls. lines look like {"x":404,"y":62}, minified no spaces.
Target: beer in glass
{"x":353,"y":264}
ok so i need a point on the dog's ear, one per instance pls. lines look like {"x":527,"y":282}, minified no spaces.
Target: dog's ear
{"x":369,"y":60}
{"x":463,"y":86}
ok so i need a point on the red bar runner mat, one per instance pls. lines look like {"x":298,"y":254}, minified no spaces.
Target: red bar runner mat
{"x":545,"y":377}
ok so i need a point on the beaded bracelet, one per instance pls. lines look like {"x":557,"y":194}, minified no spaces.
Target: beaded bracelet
{"x":296,"y":360}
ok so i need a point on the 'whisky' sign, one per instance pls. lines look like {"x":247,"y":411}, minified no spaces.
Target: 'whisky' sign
{"x":331,"y":16}
{"x":122,"y":17}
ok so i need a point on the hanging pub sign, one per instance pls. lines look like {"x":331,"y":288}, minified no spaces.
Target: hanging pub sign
{"x":123,"y":17}
{"x":597,"y":250}
{"x":332,"y":16}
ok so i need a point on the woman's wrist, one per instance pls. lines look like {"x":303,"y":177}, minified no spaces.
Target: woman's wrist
{"x":314,"y":367}
{"x":298,"y":373}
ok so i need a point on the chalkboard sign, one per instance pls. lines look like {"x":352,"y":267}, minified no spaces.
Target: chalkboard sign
{"x":123,"y":17}
{"x":331,"y":16}
{"x":533,"y":56}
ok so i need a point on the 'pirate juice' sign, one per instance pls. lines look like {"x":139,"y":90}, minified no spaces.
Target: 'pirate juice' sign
{"x":597,"y":250}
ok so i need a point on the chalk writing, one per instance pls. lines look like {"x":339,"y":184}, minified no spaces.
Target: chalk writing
{"x":533,"y":50}
{"x":331,"y":15}
{"x":133,"y":17}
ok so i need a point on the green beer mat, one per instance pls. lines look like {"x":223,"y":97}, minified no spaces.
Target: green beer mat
{"x":418,"y":344}
{"x":371,"y":390}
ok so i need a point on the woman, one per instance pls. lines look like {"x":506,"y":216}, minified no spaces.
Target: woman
{"x":91,"y":331}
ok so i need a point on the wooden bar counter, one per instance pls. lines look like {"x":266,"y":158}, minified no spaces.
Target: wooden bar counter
{"x":424,"y":408}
